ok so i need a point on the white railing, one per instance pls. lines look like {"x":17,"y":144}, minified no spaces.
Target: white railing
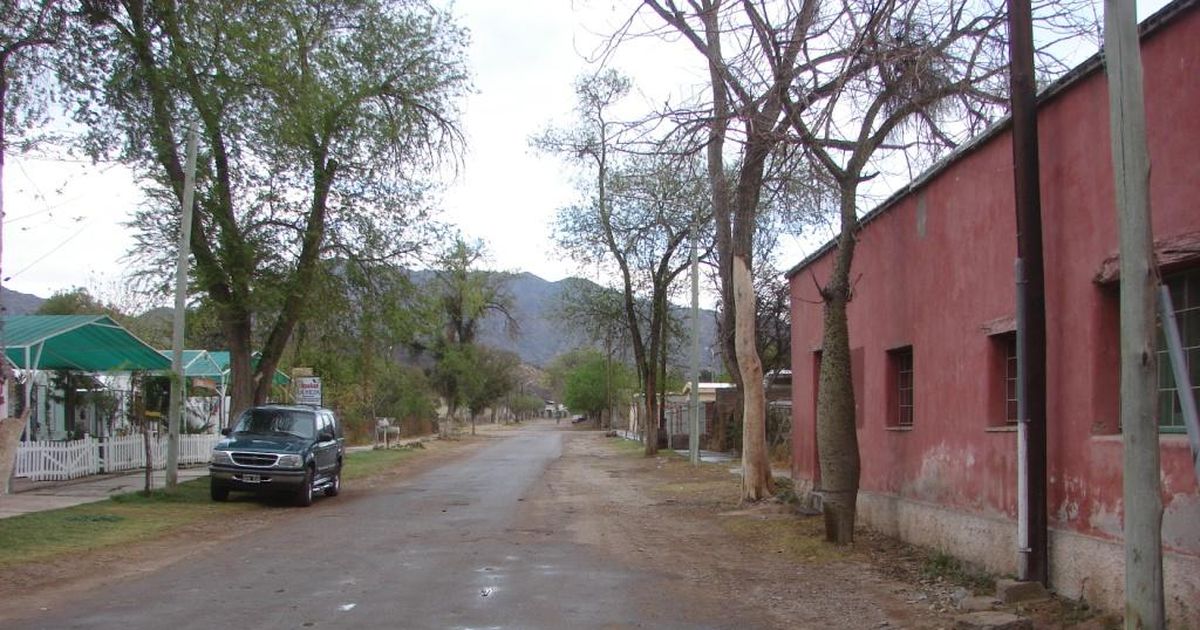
{"x":58,"y":461}
{"x":45,"y":460}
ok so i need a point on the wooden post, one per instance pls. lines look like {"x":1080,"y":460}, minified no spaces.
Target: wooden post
{"x":178,"y":378}
{"x":1139,"y":278}
{"x":149,"y":455}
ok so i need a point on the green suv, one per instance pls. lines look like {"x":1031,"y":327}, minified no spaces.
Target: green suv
{"x":280,"y":449}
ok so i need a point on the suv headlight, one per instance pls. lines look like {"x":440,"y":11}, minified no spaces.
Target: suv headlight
{"x":290,"y":461}
{"x":221,"y":457}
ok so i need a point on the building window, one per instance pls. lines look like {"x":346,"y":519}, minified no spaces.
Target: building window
{"x":901,"y":377}
{"x":1185,"y":297}
{"x":1001,"y":380}
{"x":1009,"y":343}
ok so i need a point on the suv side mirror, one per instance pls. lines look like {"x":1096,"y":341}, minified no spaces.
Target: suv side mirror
{"x":225,"y":431}
{"x":325,"y":435}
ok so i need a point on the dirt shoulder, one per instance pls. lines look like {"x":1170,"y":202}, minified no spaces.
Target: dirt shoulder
{"x":664,"y":514}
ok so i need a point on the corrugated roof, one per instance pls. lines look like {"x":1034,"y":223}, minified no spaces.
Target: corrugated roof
{"x":90,"y":343}
{"x":221,"y":358}
{"x":198,"y":363}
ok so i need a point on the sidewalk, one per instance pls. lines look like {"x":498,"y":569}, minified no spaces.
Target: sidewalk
{"x":39,"y":496}
{"x":52,"y":495}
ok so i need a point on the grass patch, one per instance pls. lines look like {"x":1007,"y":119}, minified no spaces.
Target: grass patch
{"x":361,"y":464}
{"x":630,"y":447}
{"x":801,"y":540}
{"x":123,"y":519}
{"x":945,"y":567}
{"x":785,"y":490}
{"x":135,"y":517}
{"x":719,"y":490}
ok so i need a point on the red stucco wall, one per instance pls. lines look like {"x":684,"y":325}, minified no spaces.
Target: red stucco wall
{"x":937,"y":267}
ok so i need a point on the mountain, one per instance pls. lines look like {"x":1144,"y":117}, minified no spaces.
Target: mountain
{"x":536,"y":301}
{"x":17,"y":303}
{"x":543,"y":336}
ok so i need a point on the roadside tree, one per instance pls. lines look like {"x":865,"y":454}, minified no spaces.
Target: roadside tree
{"x":637,"y":217}
{"x":28,"y":30}
{"x":595,"y":384}
{"x":317,"y":122}
{"x":461,"y":296}
{"x":844,"y":83}
{"x":497,"y":377}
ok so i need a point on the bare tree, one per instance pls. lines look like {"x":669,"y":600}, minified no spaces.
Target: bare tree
{"x":848,"y":83}
{"x":908,"y":77}
{"x":637,"y":219}
{"x":749,"y":103}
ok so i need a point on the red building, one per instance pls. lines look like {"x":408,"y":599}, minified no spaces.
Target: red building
{"x":933,"y":344}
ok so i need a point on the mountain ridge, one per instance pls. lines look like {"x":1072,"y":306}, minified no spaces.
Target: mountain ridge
{"x":536,"y":302}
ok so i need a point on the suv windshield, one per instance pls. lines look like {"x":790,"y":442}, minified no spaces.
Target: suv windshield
{"x":276,"y":422}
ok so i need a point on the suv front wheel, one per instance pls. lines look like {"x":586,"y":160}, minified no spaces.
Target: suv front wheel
{"x":304,"y":494}
{"x":218,"y":492}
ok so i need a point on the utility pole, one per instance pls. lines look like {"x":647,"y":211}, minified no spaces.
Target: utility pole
{"x":178,"y":379}
{"x":1032,"y":541}
{"x":694,"y":403}
{"x":1144,"y":606}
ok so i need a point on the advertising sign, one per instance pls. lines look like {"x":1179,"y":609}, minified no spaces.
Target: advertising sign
{"x":308,"y":390}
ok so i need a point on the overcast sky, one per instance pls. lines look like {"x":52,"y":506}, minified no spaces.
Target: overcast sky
{"x":64,"y":219}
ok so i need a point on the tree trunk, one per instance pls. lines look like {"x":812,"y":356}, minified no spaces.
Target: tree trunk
{"x":757,"y":482}
{"x":10,"y":441}
{"x":10,"y":428}
{"x":837,"y":438}
{"x":241,"y":374}
{"x":651,"y":412}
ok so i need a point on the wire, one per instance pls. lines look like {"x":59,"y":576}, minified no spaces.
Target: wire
{"x":47,"y":254}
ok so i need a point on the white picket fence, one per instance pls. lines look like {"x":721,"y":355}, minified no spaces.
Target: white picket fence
{"x":57,"y":461}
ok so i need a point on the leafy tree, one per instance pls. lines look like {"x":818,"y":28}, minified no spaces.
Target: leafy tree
{"x":454,"y":375}
{"x":595,"y":383}
{"x":496,"y":376}
{"x":317,"y":121}
{"x":462,"y":296}
{"x":359,"y":319}
{"x":27,"y":29}
{"x":75,"y":301}
{"x":523,"y":405}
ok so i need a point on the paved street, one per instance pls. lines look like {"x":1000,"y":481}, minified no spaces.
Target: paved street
{"x":450,"y":548}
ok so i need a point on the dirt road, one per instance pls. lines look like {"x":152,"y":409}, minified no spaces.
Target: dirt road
{"x":543,"y":528}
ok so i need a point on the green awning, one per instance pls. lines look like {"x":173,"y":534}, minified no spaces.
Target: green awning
{"x":221,"y":358}
{"x":89,"y":343}
{"x":198,"y":363}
